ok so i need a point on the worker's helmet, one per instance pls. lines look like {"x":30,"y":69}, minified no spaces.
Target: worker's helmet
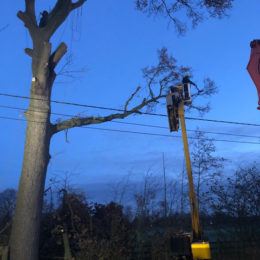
{"x":44,"y":13}
{"x":187,"y":75}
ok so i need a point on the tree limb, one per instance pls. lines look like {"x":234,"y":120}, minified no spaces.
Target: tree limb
{"x":132,"y":96}
{"x":58,"y":54}
{"x":180,"y":27}
{"x":79,"y":3}
{"x":59,"y":14}
{"x":195,"y":10}
{"x":28,"y":21}
{"x":30,"y":7}
{"x":78,"y":122}
{"x":28,"y":17}
{"x":30,"y":10}
{"x":166,"y":73}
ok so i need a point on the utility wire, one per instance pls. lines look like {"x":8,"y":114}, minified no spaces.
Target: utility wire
{"x":201,"y":131}
{"x":19,"y":119}
{"x":136,"y":124}
{"x":122,"y":110}
{"x":40,"y":111}
{"x":142,"y":133}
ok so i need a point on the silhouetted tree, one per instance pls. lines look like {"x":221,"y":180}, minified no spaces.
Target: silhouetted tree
{"x":205,"y":164}
{"x":235,"y":202}
{"x":178,"y":11}
{"x":25,"y":230}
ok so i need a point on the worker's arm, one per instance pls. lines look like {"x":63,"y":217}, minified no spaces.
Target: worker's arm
{"x":195,"y":85}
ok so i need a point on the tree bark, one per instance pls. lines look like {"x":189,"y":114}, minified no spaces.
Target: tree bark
{"x":25,"y":229}
{"x":26,"y":222}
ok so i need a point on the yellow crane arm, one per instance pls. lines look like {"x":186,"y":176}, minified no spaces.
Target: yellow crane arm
{"x":192,"y":197}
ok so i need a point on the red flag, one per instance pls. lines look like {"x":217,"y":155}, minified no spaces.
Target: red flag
{"x":253,"y":66}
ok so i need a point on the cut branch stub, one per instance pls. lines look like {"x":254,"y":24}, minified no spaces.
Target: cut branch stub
{"x":53,"y":21}
{"x":58,"y":54}
{"x":29,"y":52}
{"x":77,"y":4}
{"x":29,"y":22}
{"x":59,"y":14}
{"x":30,"y":9}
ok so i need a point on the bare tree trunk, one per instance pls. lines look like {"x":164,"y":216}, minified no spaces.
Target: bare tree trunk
{"x":66,"y":244}
{"x":26,"y":222}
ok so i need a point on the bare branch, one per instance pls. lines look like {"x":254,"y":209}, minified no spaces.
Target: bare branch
{"x":180,"y":26}
{"x":202,"y":109}
{"x":166,"y":73}
{"x":77,"y":122}
{"x":77,"y":4}
{"x":132,"y":96}
{"x":29,"y":22}
{"x":59,"y":14}
{"x":174,"y":10}
{"x":28,"y":17}
{"x":58,"y":54}
{"x":159,"y":78}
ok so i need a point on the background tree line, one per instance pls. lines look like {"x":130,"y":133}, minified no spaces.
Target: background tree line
{"x":74,"y":228}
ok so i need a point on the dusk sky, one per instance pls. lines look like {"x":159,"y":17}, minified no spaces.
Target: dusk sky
{"x":109,"y":41}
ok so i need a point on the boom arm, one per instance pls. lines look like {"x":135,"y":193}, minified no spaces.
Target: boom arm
{"x":192,"y":198}
{"x":175,"y":109}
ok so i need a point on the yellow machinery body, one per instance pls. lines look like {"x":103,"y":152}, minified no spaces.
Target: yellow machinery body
{"x":200,"y":250}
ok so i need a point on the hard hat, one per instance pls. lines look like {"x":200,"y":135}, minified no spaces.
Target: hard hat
{"x":187,"y":75}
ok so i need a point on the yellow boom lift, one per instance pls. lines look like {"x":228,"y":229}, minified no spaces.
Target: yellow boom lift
{"x":176,"y":99}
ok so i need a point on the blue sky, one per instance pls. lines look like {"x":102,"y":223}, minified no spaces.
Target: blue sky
{"x":113,"y":42}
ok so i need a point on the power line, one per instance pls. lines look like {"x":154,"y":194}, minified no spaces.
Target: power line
{"x":201,"y":131}
{"x":142,"y":133}
{"x":136,"y":124}
{"x":165,"y":135}
{"x":122,"y":110}
{"x":19,"y":119}
{"x":222,"y":121}
{"x":63,"y":102}
{"x":40,"y":111}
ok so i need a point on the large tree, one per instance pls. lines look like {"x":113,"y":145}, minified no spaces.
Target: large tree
{"x":25,"y":229}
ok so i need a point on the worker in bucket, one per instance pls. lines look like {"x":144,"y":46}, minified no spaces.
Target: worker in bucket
{"x":186,"y":87}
